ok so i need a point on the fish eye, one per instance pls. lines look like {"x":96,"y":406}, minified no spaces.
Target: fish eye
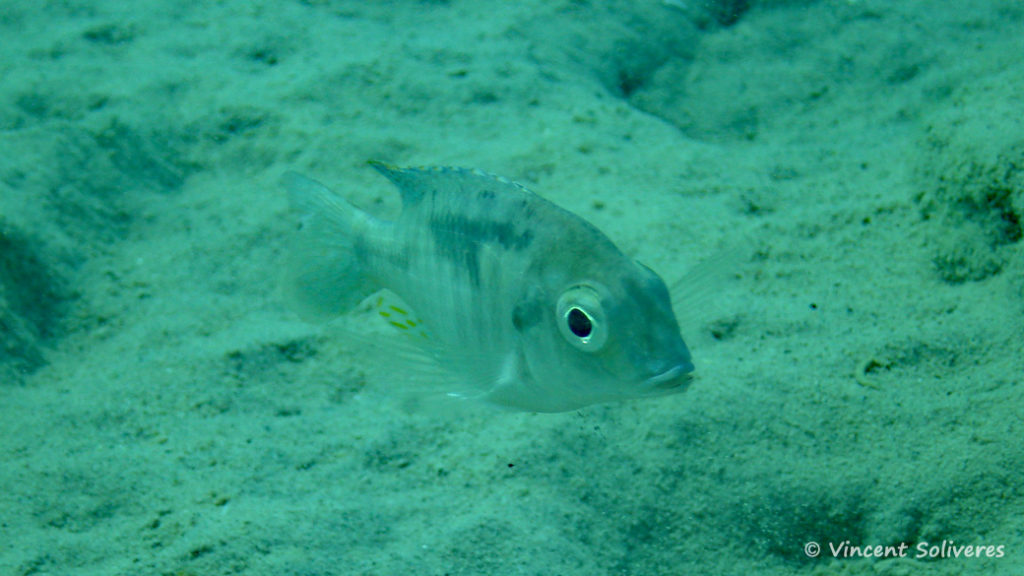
{"x":581,"y":318}
{"x":579,"y":322}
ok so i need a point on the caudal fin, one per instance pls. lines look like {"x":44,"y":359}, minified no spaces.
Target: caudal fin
{"x":325,"y":277}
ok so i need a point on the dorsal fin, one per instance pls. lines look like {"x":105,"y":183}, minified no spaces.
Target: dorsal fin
{"x":408,"y":184}
{"x":415,"y":183}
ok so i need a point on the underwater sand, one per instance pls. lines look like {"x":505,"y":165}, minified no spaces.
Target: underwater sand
{"x":162,"y":411}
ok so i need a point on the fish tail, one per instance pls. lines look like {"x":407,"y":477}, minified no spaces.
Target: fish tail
{"x":325,"y":276}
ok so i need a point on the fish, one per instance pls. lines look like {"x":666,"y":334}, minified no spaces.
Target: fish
{"x":508,"y":299}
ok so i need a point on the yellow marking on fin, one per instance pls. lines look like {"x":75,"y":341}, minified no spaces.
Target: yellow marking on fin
{"x":398,"y":316}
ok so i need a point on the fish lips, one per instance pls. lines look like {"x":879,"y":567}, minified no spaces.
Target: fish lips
{"x":673,"y":379}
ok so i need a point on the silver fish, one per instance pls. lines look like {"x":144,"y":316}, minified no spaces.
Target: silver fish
{"x":522,"y":304}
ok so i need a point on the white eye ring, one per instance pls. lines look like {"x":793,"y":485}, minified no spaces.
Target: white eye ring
{"x":581,"y":318}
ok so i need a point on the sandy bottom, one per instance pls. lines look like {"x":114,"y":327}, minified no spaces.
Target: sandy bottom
{"x":162,"y":411}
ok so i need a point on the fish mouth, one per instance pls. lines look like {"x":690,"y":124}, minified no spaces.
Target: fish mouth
{"x":674,"y":378}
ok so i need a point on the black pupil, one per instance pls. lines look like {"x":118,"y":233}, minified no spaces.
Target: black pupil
{"x":579,"y":323}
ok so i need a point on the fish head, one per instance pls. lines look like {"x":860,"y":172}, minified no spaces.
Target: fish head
{"x":604,"y":336}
